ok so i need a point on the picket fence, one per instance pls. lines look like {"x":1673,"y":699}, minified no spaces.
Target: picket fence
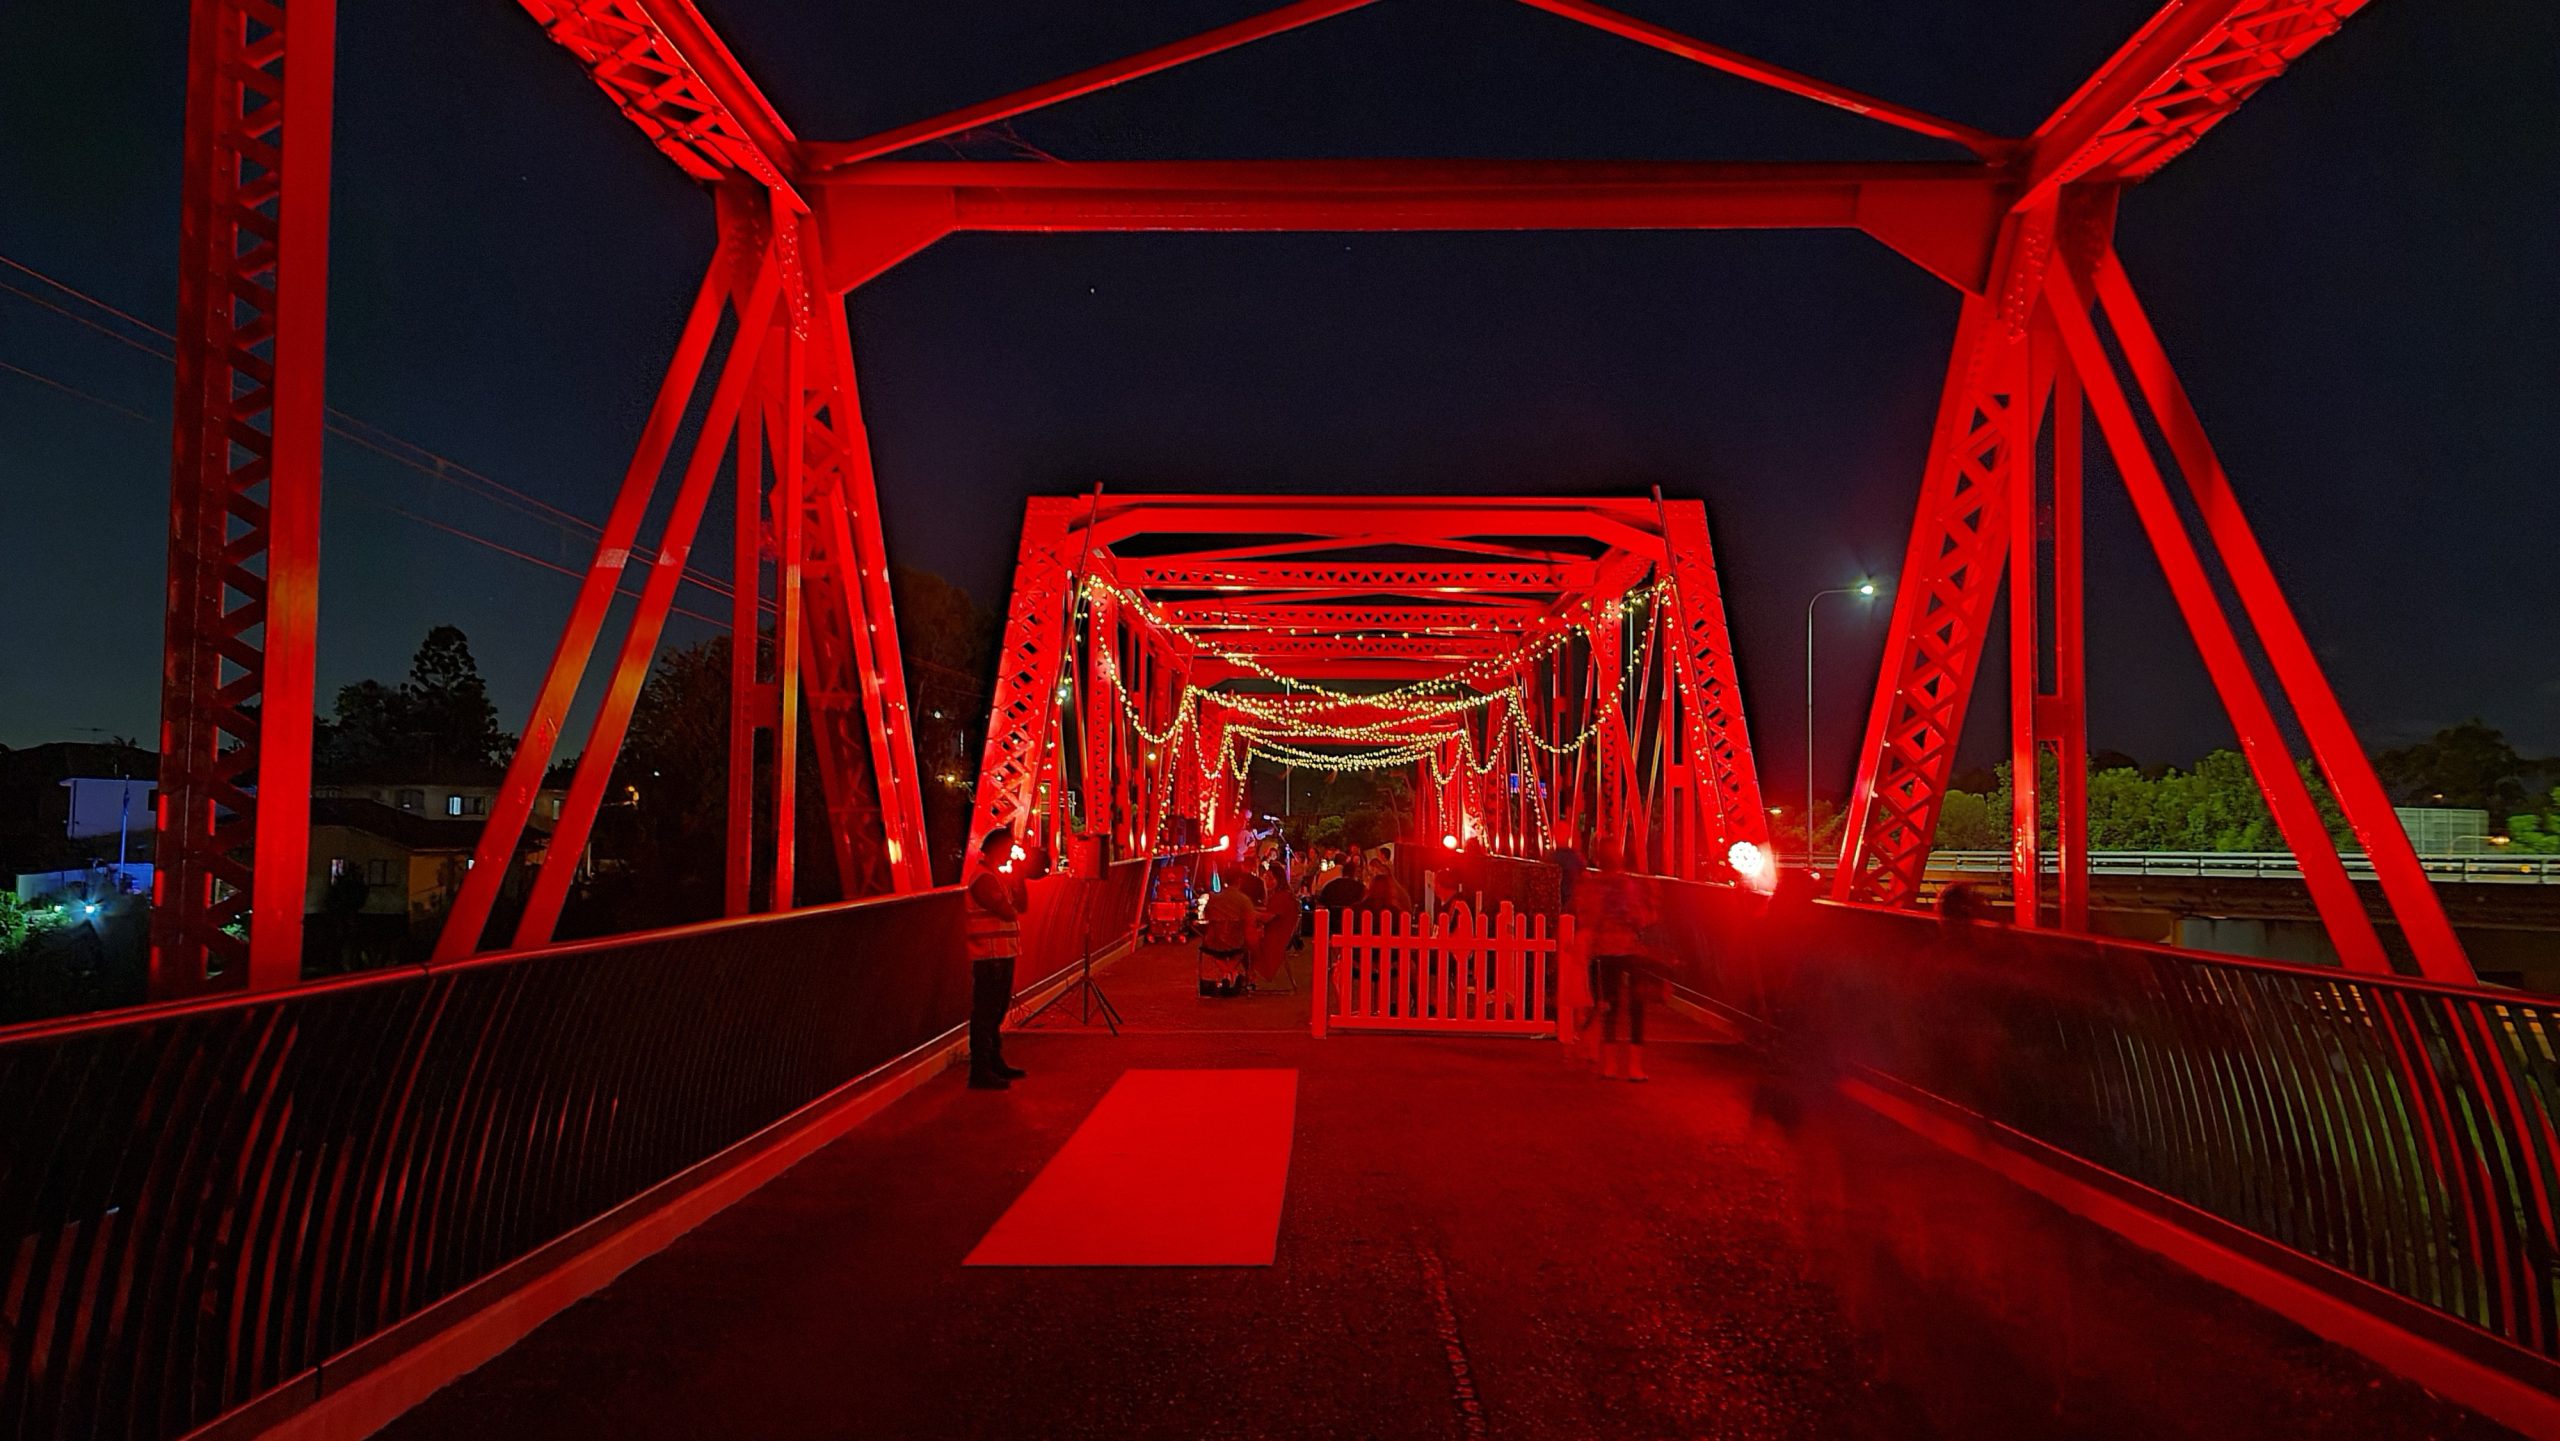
{"x":1459,"y":972}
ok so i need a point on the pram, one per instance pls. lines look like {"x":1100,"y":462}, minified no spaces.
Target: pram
{"x":1171,"y":915}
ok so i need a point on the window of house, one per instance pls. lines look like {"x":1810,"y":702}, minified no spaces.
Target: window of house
{"x":555,"y":808}
{"x":337,"y":867}
{"x":377,"y":873}
{"x":466,"y":805}
{"x":413,"y":800}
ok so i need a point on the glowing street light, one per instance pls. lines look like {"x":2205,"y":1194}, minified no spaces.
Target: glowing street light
{"x":1863,"y":590}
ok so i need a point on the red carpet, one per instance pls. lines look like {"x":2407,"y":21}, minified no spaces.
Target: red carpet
{"x":1173,"y":1168}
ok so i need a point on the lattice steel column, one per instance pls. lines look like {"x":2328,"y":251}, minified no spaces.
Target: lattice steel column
{"x":1950,"y":577}
{"x":844,"y":511}
{"x":1719,"y":740}
{"x":244,"y":498}
{"x":1027,"y":669}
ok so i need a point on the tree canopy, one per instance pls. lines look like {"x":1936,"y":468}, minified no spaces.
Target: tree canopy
{"x":2469,"y":765}
{"x":437,"y":720}
{"x":2216,"y":806}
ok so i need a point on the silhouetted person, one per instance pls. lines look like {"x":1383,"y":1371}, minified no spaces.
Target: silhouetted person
{"x":1382,"y":891}
{"x":994,"y":900}
{"x":1616,"y":910}
{"x":1227,"y":933}
{"x":1280,"y":916}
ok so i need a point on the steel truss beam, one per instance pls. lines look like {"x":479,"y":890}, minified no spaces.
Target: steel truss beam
{"x":1356,"y":578}
{"x":1941,"y":217}
{"x":853,"y":628}
{"x":2180,"y":75}
{"x":1734,"y":62}
{"x":1717,"y":744}
{"x":1949,"y":579}
{"x":1032,"y":658}
{"x":244,"y":498}
{"x":667,"y":73}
{"x":1357,"y":647}
{"x":1280,"y":616}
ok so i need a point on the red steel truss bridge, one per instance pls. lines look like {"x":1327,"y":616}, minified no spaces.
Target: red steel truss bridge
{"x":1544,"y":669}
{"x":260,"y":1201}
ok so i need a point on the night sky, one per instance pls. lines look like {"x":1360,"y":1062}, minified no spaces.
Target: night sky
{"x":2354,"y":275}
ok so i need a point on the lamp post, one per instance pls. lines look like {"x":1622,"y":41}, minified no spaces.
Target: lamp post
{"x":1864,"y":590}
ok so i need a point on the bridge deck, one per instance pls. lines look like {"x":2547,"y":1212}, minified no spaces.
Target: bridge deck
{"x":1477,"y":1241}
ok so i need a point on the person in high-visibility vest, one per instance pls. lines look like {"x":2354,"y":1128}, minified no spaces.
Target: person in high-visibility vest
{"x":995,"y":898}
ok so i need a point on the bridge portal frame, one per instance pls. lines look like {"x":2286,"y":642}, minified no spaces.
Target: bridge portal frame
{"x":804,"y":223}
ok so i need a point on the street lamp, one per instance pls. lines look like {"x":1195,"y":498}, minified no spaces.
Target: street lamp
{"x":1863,"y":590}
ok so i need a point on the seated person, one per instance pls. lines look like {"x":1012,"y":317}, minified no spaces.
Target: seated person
{"x":1227,"y":934}
{"x":1342,"y":893}
{"x":1383,"y":891}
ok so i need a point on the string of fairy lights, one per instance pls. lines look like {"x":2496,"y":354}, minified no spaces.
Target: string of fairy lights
{"x":1285,"y":727}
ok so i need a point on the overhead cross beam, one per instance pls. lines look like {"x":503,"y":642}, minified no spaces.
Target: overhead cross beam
{"x":1357,"y":578}
{"x":1939,"y":216}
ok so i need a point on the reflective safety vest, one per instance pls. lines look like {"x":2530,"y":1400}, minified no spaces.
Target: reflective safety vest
{"x":992,"y":936}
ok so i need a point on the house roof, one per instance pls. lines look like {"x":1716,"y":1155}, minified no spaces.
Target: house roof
{"x":406,"y":829}
{"x":423,"y":772}
{"x":57,"y":761}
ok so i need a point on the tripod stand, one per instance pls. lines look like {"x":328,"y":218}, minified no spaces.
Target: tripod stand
{"x":1090,"y":1001}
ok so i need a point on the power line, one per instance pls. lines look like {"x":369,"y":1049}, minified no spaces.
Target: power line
{"x":389,"y":446}
{"x":76,"y":391}
{"x":385,"y":443}
{"x":453,"y":530}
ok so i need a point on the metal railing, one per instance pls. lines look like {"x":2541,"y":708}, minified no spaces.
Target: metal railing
{"x":2400,"y":1132}
{"x":2489,"y":870}
{"x":203,"y":1203}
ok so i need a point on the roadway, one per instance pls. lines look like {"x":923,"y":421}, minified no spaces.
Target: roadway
{"x":1477,"y":1241}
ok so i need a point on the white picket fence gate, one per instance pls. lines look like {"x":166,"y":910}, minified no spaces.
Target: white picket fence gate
{"x":1457,"y":973}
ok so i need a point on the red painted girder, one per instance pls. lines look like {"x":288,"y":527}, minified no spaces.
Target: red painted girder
{"x":1719,"y":739}
{"x":670,"y":75}
{"x":845,"y":514}
{"x":2253,"y":723}
{"x":1949,"y":579}
{"x":1339,"y":715}
{"x":2324,"y":722}
{"x":1453,"y":648}
{"x":1216,"y":615}
{"x":1375,"y":520}
{"x":1942,"y":217}
{"x":1035,"y":646}
{"x":1358,"y":578}
{"x":1209,"y":670}
{"x":526,"y":769}
{"x":234,"y":808}
{"x":2189,"y":67}
{"x":611,"y":722}
{"x":1083,"y":82}
{"x":1319,"y":545}
{"x":1734,"y":62}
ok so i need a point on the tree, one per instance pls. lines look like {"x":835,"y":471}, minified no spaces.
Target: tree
{"x":667,"y":832}
{"x":2123,"y":811}
{"x":1966,"y":822}
{"x":2217,"y":806}
{"x":2537,"y":832}
{"x":2469,"y":765}
{"x":438,"y":719}
{"x":449,"y":701}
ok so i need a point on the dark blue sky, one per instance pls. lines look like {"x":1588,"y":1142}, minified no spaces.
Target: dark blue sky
{"x":2353,"y":274}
